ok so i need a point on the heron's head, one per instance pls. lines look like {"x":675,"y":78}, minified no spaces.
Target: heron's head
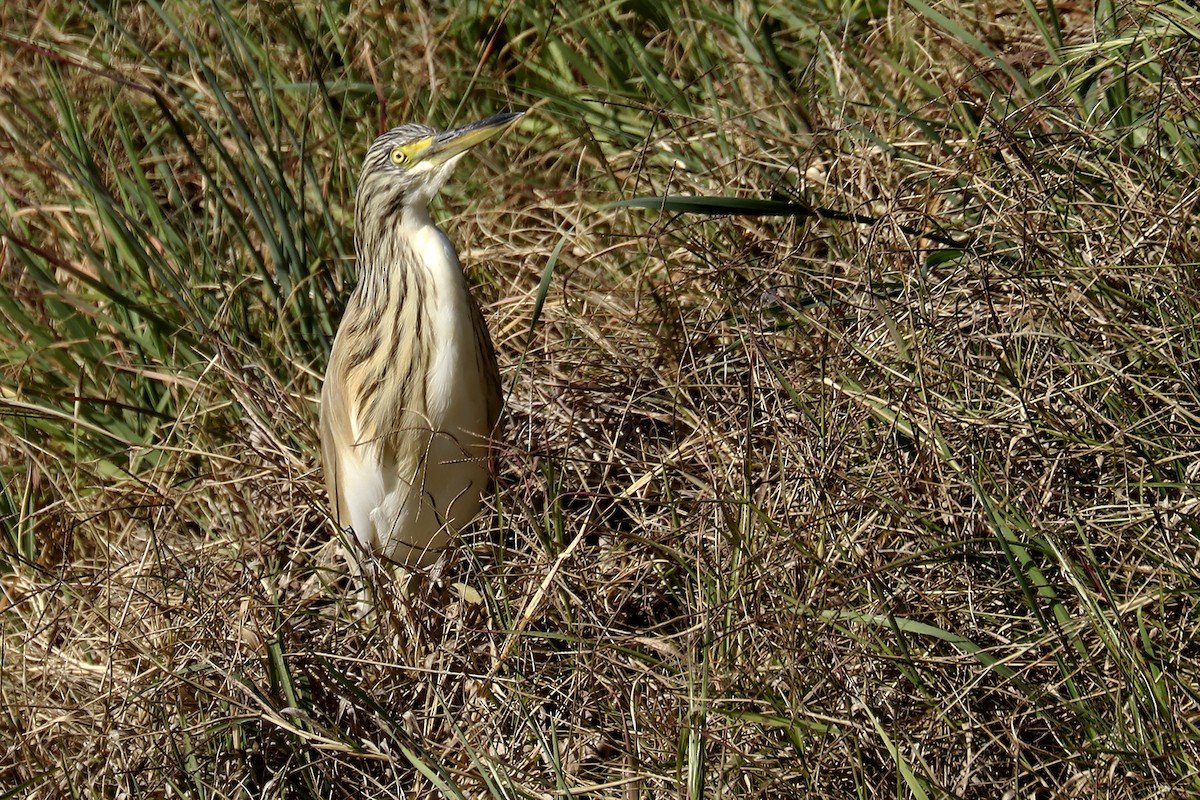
{"x":406,"y":166}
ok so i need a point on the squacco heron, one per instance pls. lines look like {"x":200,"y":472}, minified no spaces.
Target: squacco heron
{"x":412,"y":393}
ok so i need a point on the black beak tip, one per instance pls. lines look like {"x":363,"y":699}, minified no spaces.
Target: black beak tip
{"x":507,"y":117}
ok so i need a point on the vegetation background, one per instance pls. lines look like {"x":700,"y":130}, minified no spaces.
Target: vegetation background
{"x":899,"y":500}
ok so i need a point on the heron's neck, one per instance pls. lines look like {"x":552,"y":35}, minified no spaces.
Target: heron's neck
{"x":403,"y":251}
{"x":426,"y":249}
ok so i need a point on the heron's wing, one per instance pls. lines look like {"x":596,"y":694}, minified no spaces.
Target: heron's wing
{"x":352,"y":470}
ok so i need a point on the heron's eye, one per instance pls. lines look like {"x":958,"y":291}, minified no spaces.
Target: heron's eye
{"x":399,"y":157}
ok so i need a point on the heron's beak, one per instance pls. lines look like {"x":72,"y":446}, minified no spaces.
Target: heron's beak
{"x":451,"y":143}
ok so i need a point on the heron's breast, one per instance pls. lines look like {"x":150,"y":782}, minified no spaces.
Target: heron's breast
{"x":454,"y":396}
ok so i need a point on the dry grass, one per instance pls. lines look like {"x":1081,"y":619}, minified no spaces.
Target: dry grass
{"x":788,"y":506}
